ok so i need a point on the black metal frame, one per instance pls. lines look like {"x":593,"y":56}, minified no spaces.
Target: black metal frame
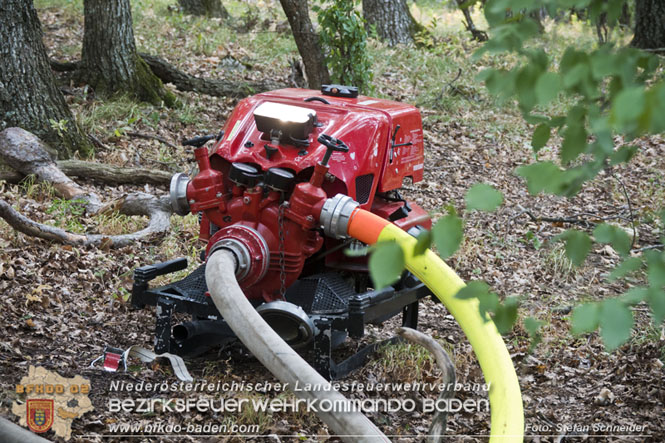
{"x":370,"y":307}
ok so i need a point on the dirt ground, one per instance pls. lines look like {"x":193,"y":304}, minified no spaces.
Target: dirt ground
{"x":62,"y":305}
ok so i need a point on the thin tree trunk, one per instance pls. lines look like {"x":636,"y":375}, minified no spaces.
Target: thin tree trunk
{"x":477,"y":34}
{"x":210,"y":8}
{"x":307,"y":41}
{"x":392,"y":19}
{"x":649,"y":25}
{"x":29,"y":97}
{"x":110,"y":63}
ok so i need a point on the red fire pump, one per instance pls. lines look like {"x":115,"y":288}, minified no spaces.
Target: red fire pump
{"x":267,"y":190}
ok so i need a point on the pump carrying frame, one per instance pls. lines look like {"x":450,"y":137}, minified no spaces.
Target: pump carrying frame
{"x":334,"y":308}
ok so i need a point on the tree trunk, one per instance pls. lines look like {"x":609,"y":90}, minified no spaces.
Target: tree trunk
{"x":110,"y":63}
{"x":29,"y":97}
{"x":649,"y":25}
{"x":392,"y":19}
{"x":210,"y":8}
{"x":307,"y":41}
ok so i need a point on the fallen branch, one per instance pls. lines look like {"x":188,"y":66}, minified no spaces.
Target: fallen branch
{"x":437,"y":429}
{"x":215,"y":87}
{"x":139,"y":203}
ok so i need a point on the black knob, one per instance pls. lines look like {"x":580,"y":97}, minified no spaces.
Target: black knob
{"x":333,"y":144}
{"x":279,"y":179}
{"x":197,"y":142}
{"x":243,"y":174}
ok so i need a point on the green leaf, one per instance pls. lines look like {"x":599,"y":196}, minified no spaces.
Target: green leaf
{"x":547,"y":87}
{"x":656,"y":268}
{"x":483,"y":197}
{"x":532,"y":326}
{"x":505,"y":314}
{"x":616,"y":323}
{"x":622,"y":155}
{"x":585,"y":318}
{"x":423,"y":241}
{"x":576,"y":75}
{"x":540,"y":176}
{"x":386,"y":264}
{"x":574,"y":142}
{"x":487,"y":301}
{"x":447,"y":234}
{"x":628,"y":106}
{"x":617,"y":237}
{"x":627,"y":266}
{"x":540,"y":137}
{"x":656,"y":299}
{"x":634,"y":296}
{"x":578,"y":245}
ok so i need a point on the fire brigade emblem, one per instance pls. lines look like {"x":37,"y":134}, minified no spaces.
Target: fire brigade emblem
{"x":40,"y":414}
{"x":48,"y":401}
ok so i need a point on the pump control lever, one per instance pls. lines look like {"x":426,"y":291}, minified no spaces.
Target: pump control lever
{"x":333,"y":144}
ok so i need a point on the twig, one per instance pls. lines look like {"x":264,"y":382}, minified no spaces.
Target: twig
{"x":630,"y":208}
{"x":647,"y":248}
{"x":151,"y":137}
{"x":451,"y":85}
{"x":575,"y":221}
{"x":97,"y":142}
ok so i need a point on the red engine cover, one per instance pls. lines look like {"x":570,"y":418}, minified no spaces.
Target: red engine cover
{"x":278,"y":228}
{"x":365,"y":124}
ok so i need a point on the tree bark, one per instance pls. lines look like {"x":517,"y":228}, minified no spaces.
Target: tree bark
{"x":210,"y":8}
{"x":392,"y":19}
{"x":29,"y":97}
{"x":649,"y":25}
{"x":110,"y":63}
{"x":307,"y":41}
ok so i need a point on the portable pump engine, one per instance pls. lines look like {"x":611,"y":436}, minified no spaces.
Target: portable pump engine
{"x":274,"y":188}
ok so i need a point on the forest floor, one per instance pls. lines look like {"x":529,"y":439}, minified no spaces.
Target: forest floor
{"x":62,"y":305}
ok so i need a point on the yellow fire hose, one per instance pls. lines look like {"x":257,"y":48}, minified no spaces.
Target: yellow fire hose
{"x":505,"y":397}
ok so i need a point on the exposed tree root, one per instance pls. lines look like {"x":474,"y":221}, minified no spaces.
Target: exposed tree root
{"x":139,"y":203}
{"x":26,"y":153}
{"x":103,"y":173}
{"x":215,"y":87}
{"x":168,"y":73}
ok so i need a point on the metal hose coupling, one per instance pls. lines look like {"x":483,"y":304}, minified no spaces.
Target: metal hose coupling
{"x":178,"y":193}
{"x":335,"y":215}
